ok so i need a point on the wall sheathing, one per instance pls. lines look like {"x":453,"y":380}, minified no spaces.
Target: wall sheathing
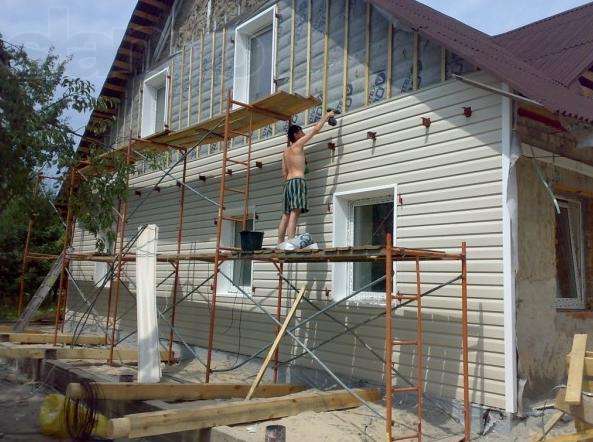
{"x":356,"y":59}
{"x":378,"y":56}
{"x":458,"y":160}
{"x":317,"y":57}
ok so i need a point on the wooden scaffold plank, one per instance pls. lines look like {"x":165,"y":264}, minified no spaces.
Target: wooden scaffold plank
{"x":46,"y":338}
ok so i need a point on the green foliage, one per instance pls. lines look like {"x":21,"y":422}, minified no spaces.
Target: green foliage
{"x":47,"y":237}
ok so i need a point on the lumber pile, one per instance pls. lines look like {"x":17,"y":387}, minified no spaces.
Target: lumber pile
{"x":231,"y":413}
{"x":571,"y":400}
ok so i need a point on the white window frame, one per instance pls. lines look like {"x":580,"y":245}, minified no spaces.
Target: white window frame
{"x":243,"y":34}
{"x":577,"y":303}
{"x":228,"y":266}
{"x":342,"y":222}
{"x":148,"y":121}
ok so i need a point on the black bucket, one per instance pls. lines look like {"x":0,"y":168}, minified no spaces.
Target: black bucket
{"x":251,"y":241}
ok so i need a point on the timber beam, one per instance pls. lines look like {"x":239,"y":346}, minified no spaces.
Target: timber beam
{"x":46,"y":338}
{"x":125,"y":391}
{"x":45,"y":352}
{"x":240,"y":412}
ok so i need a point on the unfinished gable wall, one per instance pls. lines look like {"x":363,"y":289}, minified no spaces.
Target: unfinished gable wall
{"x":544,"y":332}
{"x":385,"y":78}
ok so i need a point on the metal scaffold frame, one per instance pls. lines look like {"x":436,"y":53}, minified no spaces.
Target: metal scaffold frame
{"x":241,"y":120}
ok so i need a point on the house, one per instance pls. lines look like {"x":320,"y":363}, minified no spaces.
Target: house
{"x":478,"y":138}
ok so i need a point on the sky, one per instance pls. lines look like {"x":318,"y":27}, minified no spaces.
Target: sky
{"x":90,"y":31}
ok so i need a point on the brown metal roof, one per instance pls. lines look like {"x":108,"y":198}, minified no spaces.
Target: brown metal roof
{"x":560,"y":45}
{"x":483,"y":51}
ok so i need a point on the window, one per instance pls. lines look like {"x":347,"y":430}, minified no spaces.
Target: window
{"x":104,"y":245}
{"x":155,"y":103}
{"x":255,"y":42}
{"x":362,"y":217}
{"x":239,"y":271}
{"x":370,"y":221}
{"x":569,"y":255}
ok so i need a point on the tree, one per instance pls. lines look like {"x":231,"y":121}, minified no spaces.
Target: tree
{"x":46,"y":238}
{"x":35,"y":135}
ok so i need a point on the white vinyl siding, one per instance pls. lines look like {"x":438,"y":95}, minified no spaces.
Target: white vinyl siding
{"x":449,"y":179}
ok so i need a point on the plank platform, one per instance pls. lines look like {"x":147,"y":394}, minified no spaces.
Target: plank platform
{"x":330,"y":254}
{"x":276,"y":107}
{"x":125,"y":391}
{"x":239,"y":412}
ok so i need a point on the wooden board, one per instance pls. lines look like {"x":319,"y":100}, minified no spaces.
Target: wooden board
{"x":550,"y":423}
{"x":39,"y":352}
{"x":40,"y":294}
{"x":47,"y":338}
{"x":124,"y":391}
{"x":582,"y":436}
{"x":583,"y":411}
{"x":276,"y":343}
{"x":173,"y":421}
{"x":576,"y":366}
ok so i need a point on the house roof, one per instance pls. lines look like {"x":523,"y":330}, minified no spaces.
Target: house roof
{"x":485,"y":52}
{"x":560,"y":45}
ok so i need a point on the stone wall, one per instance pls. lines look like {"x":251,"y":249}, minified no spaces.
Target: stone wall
{"x":192,"y":16}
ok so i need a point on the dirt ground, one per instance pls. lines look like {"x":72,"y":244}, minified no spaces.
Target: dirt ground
{"x":20,"y":401}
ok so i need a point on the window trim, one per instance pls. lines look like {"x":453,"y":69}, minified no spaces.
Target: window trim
{"x":243,"y":34}
{"x":343,"y":201}
{"x":226,"y":288}
{"x":144,"y":123}
{"x":577,"y":303}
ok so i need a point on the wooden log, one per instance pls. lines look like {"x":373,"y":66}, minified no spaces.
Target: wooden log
{"x":583,"y":411}
{"x":576,"y":366}
{"x":185,"y":419}
{"x":122,"y":391}
{"x":276,"y":343}
{"x":34,"y":352}
{"x":43,"y":338}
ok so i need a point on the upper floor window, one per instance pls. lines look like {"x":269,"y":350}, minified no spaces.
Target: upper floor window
{"x":255,"y":42}
{"x":154,"y":103}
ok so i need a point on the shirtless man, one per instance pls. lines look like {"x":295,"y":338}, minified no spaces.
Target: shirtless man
{"x":293,"y":171}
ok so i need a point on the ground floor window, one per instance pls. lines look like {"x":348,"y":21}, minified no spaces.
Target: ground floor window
{"x":371,"y":220}
{"x":239,"y":271}
{"x":360,"y":218}
{"x":570,"y":286}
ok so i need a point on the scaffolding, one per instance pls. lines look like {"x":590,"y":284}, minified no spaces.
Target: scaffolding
{"x":242,"y":120}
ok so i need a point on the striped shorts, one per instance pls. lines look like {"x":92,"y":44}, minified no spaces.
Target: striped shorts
{"x":295,"y":195}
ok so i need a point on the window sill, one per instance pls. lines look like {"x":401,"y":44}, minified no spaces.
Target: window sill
{"x":577,"y":314}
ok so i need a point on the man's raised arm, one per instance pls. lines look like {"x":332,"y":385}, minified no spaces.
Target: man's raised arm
{"x":315,"y":129}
